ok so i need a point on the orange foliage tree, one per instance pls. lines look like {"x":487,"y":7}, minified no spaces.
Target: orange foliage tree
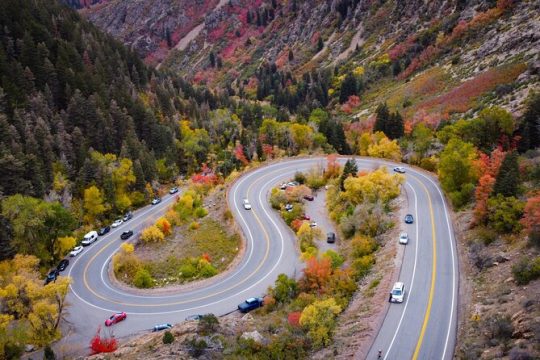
{"x":532,"y":212}
{"x":316,"y":275}
{"x":487,"y":168}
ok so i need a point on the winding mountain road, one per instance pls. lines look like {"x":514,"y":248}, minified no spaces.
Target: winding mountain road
{"x":423,"y":327}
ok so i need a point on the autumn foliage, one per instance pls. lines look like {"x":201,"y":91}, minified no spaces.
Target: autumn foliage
{"x":487,"y":167}
{"x":100,"y":344}
{"x":532,"y":212}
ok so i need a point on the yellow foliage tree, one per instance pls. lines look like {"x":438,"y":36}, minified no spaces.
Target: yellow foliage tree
{"x":301,"y":135}
{"x":127,"y":248}
{"x":164,"y":225}
{"x":152,"y":234}
{"x":63,"y":245}
{"x":35,"y":307}
{"x":377,"y":185}
{"x":319,"y":320}
{"x":385,"y":148}
{"x":93,"y":204}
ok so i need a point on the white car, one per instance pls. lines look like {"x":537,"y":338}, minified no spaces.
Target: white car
{"x":117,"y":223}
{"x":246,"y":204}
{"x":399,"y":169}
{"x":76,"y":251}
{"x":313,"y":224}
{"x":398,"y":293}
{"x":403,"y":238}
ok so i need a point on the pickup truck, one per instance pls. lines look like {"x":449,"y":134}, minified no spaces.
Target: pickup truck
{"x":250,"y":304}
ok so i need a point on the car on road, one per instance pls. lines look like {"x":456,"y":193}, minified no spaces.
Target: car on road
{"x":250,"y":304}
{"x":115,"y":318}
{"x":398,"y":293}
{"x":126,"y":234}
{"x":399,"y":169}
{"x":117,"y":223}
{"x":403,"y":238}
{"x":76,"y":251}
{"x":51,"y":276}
{"x":246,"y":204}
{"x":62,"y":265}
{"x":156,"y":201}
{"x":309,"y":197}
{"x":162,"y":327}
{"x":330,"y":237}
{"x":89,"y":238}
{"x":409,"y":219}
{"x":194,"y":317}
{"x":104,"y":230}
{"x":173,"y":190}
{"x":128,"y":216}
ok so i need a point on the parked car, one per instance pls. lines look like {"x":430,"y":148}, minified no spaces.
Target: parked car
{"x":51,"y":276}
{"x":330,"y":237}
{"x":162,"y":327}
{"x":115,"y":318}
{"x":409,"y":219}
{"x":126,"y":235}
{"x":128,"y":216}
{"x":194,"y":317}
{"x":117,"y":223}
{"x":76,"y":251}
{"x":89,"y":238}
{"x":306,"y":217}
{"x":309,"y":197}
{"x":173,"y":190}
{"x":399,"y":169}
{"x":156,"y":201}
{"x":288,"y":207}
{"x":313,"y":224}
{"x":398,"y":293}
{"x":403,"y":238}
{"x":62,"y":265}
{"x":250,"y":304}
{"x":293,"y":183}
{"x":104,"y":230}
{"x":283,"y":186}
{"x":246,"y":204}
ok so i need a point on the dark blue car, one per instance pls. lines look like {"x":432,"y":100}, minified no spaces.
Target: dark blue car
{"x":250,"y":304}
{"x":409,"y":219}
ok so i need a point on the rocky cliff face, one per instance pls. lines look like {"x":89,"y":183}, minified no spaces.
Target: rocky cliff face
{"x":150,"y":27}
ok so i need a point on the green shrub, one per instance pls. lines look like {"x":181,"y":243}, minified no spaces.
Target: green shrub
{"x":168,"y":337}
{"x":208,"y":324}
{"x":207,"y":270}
{"x":285,"y":289}
{"x":300,"y":177}
{"x":200,"y":212}
{"x":486,"y":235}
{"x":336,"y":259}
{"x":499,"y":327}
{"x":188,"y":270}
{"x":363,"y":265}
{"x":143,"y":279}
{"x":526,"y":270}
{"x":504,"y":213}
{"x":196,"y":347}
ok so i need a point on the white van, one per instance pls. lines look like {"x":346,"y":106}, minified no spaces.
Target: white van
{"x":89,"y":238}
{"x":398,"y":293}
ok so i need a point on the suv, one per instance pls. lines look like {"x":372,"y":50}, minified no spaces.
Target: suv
{"x":250,"y":304}
{"x":330,"y":238}
{"x":398,"y":293}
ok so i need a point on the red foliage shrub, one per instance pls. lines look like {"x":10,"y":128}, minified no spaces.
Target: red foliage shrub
{"x":351,"y":103}
{"x":205,"y":177}
{"x":296,"y":223}
{"x":100,"y":344}
{"x":239,"y":154}
{"x":294,"y":318}
{"x":317,"y":274}
{"x":487,"y":167}
{"x":532,"y":212}
{"x":206,"y":257}
{"x":268,"y":151}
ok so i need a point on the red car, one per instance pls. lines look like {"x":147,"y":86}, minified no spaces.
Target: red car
{"x":306,"y":217}
{"x":115,"y":318}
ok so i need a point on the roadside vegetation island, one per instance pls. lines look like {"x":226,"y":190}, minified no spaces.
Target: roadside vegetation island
{"x":269,"y":179}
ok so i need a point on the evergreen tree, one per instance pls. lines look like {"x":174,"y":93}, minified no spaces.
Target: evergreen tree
{"x":529,"y":129}
{"x":381,"y":121}
{"x":507,"y":180}
{"x":349,"y":169}
{"x":291,"y":55}
{"x":212,"y":59}
{"x":395,"y":127}
{"x":6,"y":249}
{"x":320,"y":44}
{"x":348,"y":88}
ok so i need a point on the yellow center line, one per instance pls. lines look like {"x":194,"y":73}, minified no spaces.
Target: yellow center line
{"x":433,"y":276}
{"x":267,"y":239}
